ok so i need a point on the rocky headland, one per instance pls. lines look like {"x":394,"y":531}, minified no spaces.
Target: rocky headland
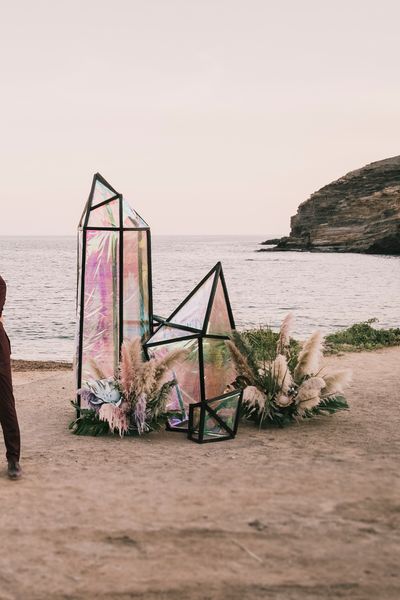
{"x":360,"y":212}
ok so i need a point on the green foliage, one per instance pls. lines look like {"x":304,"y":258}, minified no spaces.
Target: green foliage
{"x":361,"y":336}
{"x":88,"y":423}
{"x":330,"y":405}
{"x":263,"y":343}
{"x":253,"y":354}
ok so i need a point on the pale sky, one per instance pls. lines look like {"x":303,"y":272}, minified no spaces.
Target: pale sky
{"x":210,"y":116}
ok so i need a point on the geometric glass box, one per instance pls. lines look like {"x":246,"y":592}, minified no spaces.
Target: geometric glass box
{"x":215,"y":420}
{"x":114,"y":300}
{"x":201,"y":325}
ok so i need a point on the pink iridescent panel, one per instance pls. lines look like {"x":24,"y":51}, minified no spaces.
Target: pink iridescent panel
{"x":219,"y":369}
{"x":187,"y":375}
{"x":101,"y":193}
{"x":101,"y":303}
{"x":131,"y":218}
{"x":105,"y":216}
{"x":168,"y":332}
{"x":193,"y":312}
{"x":219,"y":322}
{"x":136,"y":285}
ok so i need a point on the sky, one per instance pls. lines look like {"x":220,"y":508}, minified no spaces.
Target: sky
{"x":210,"y":116}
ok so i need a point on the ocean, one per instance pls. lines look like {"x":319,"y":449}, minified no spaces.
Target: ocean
{"x":325,"y":291}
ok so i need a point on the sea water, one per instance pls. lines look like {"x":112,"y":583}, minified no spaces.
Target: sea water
{"x":325,"y":291}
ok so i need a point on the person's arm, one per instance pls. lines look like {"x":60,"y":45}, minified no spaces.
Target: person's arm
{"x":3,"y":291}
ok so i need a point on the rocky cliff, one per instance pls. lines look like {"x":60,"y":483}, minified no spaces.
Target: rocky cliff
{"x":359,"y":212}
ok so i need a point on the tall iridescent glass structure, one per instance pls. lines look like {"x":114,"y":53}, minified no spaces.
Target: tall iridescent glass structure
{"x":201,"y":325}
{"x":114,"y":300}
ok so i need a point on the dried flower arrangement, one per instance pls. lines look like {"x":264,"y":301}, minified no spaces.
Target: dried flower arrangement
{"x":134,"y":402}
{"x":285,"y":386}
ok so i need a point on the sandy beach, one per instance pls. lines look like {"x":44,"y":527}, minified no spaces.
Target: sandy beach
{"x":308,"y":512}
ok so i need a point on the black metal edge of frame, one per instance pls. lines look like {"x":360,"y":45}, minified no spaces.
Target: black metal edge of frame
{"x":97,"y":176}
{"x":217,"y":418}
{"x":144,"y":221}
{"x":212,"y":440}
{"x":191,"y":330}
{"x":202,"y":389}
{"x":236,"y":423}
{"x":81,"y":314}
{"x":121,"y":278}
{"x":116,"y":228}
{"x":192,"y":336}
{"x":192,"y":293}
{"x":93,"y":207}
{"x":171,"y":429}
{"x":149,"y":281}
{"x":227,"y":299}
{"x":211,"y":298}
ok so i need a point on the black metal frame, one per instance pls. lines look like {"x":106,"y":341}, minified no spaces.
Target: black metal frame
{"x":205,"y":407}
{"x":191,"y":333}
{"x":83,"y":228}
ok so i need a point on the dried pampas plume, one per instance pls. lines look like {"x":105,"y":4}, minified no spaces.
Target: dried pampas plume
{"x":284,"y":334}
{"x":115,"y":416}
{"x":309,"y":393}
{"x":241,"y":364}
{"x":281,"y":373}
{"x":98,"y":371}
{"x":253,"y":397}
{"x":310,"y":357}
{"x":283,"y":400}
{"x":336,"y":382}
{"x":126,"y":369}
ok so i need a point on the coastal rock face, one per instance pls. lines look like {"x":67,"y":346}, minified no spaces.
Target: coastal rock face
{"x":359,"y":212}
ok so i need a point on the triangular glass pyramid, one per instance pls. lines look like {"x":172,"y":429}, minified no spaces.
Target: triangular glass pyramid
{"x":106,"y":215}
{"x":219,"y":322}
{"x":168,"y":332}
{"x":131,"y":217}
{"x":192,"y":312}
{"x":102,"y":192}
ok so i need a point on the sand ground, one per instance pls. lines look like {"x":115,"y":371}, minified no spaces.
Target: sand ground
{"x":308,"y":512}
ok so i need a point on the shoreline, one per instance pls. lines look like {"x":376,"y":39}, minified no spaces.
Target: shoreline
{"x":20,"y":365}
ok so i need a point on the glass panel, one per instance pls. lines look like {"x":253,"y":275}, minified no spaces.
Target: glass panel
{"x":219,"y":370}
{"x":186,"y":373}
{"x":101,"y":193}
{"x":101,"y":303}
{"x":105,"y":216}
{"x":226,"y":408}
{"x":193,"y":312}
{"x":168,"y":332}
{"x":219,"y":317}
{"x":136,"y":284}
{"x":131,"y":218}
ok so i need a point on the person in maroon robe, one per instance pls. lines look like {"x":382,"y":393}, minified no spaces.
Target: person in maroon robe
{"x":8,"y":415}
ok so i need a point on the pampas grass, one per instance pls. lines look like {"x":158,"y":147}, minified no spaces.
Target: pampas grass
{"x":309,"y":359}
{"x":284,"y":334}
{"x":281,"y":373}
{"x":98,"y":371}
{"x":308,"y":395}
{"x":280,"y":385}
{"x":335,"y":382}
{"x":254,"y":398}
{"x":144,"y":386}
{"x":241,"y":363}
{"x":116,"y":417}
